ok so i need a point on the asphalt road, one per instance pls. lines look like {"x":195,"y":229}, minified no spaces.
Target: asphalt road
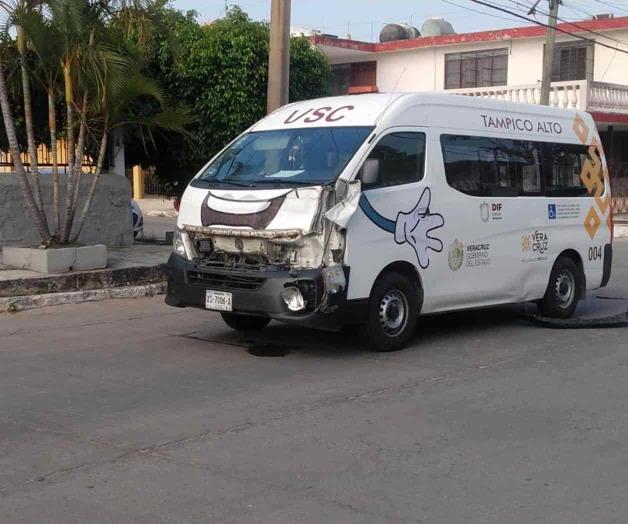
{"x":129,"y":411}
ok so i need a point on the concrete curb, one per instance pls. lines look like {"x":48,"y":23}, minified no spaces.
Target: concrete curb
{"x":160,"y":213}
{"x":83,"y":281}
{"x":621,"y":231}
{"x":15,"y":304}
{"x":616,"y":321}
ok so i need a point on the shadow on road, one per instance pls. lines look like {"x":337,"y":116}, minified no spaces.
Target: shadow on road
{"x":280,"y":340}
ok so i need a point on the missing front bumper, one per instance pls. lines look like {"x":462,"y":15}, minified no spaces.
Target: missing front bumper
{"x":259,"y":293}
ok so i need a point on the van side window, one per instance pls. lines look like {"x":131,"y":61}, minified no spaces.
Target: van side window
{"x":483,"y":166}
{"x":524,"y":169}
{"x":469,"y":163}
{"x":562,"y":166}
{"x":402,"y":158}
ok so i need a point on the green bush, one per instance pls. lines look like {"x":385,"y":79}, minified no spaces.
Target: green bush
{"x":219,"y":71}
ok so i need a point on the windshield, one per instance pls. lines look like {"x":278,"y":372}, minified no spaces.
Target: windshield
{"x":313,"y":156}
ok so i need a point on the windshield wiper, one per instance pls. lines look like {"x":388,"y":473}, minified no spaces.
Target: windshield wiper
{"x":234,"y":183}
{"x":282,"y":181}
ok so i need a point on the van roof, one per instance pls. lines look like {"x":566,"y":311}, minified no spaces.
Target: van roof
{"x":393,"y":109}
{"x":351,"y":110}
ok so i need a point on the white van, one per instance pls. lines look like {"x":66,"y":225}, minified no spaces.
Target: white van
{"x":377,"y":208}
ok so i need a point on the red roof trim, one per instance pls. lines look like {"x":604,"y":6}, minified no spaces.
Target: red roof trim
{"x":609,"y":118}
{"x":354,"y":45}
{"x":605,"y":24}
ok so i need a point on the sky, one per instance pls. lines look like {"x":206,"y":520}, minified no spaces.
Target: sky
{"x":363,"y":19}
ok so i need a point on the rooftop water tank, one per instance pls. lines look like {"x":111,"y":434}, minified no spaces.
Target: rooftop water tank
{"x":392,"y":32}
{"x":437,"y":27}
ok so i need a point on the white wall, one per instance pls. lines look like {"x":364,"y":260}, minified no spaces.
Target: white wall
{"x":525,"y":63}
{"x":608,"y":65}
{"x":424,"y":69}
{"x":406,"y":70}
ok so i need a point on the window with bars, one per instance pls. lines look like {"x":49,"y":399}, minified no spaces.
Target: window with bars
{"x":476,"y":69}
{"x":572,"y":61}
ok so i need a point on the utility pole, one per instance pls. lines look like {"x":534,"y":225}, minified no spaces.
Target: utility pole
{"x":548,"y":55}
{"x":279,"y":55}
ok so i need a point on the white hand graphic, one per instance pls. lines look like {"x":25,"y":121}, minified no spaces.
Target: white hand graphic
{"x":415,"y":228}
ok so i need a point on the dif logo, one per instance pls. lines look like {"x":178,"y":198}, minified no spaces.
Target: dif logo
{"x":493,"y":210}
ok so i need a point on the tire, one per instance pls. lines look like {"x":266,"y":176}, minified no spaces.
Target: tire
{"x":245,"y":322}
{"x":564,"y":289}
{"x":392,"y":313}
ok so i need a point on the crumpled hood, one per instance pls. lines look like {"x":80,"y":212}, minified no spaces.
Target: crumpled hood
{"x":250,"y":208}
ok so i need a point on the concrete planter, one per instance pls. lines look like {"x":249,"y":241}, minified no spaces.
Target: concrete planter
{"x":108,"y":222}
{"x":59,"y":260}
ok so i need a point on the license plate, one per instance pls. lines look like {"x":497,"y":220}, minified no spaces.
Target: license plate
{"x":218,"y":300}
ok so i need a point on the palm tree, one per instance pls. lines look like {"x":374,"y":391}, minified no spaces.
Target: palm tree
{"x":23,"y":8}
{"x":116,"y":111}
{"x":89,"y":64}
{"x":72,"y":21}
{"x":78,"y":55}
{"x":44,"y":40}
{"x":9,"y":125}
{"x":16,"y":11}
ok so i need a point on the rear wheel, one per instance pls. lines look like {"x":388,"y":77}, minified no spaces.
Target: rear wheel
{"x":392,"y":314}
{"x":563,"y":290}
{"x":245,"y":322}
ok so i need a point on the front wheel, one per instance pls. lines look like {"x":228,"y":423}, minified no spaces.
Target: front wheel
{"x":245,"y":322}
{"x":393,"y":311}
{"x":563,"y":290}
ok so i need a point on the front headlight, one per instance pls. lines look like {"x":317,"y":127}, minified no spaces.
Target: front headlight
{"x":182,"y":245}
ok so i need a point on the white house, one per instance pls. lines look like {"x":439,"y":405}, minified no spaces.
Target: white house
{"x":502,"y":64}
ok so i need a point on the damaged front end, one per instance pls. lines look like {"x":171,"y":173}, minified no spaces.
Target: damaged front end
{"x":301,"y":267}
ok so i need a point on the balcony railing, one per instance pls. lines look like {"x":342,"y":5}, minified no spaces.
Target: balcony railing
{"x":578,"y":94}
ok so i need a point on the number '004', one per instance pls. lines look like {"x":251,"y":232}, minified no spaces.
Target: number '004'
{"x":595,"y":253}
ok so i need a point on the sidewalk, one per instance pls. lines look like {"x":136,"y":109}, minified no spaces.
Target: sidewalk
{"x":621,"y":226}
{"x":156,"y":206}
{"x":138,"y":270}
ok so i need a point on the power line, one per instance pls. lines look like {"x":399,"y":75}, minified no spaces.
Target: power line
{"x":559,"y":29}
{"x":401,"y":18}
{"x":582,"y":28}
{"x":479,"y":12}
{"x":578,"y":10}
{"x":530,"y":8}
{"x":611,"y":5}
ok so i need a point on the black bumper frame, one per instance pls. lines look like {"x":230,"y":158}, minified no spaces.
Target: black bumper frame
{"x":262,"y":298}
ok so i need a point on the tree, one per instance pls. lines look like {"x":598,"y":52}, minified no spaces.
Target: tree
{"x":79,"y":51}
{"x":119,"y":108}
{"x":14,"y":148}
{"x":220,"y":72}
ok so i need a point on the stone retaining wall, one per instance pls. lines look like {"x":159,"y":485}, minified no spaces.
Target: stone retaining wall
{"x":109,"y":221}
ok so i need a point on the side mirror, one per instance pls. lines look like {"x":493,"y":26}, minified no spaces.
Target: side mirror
{"x":369,"y":174}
